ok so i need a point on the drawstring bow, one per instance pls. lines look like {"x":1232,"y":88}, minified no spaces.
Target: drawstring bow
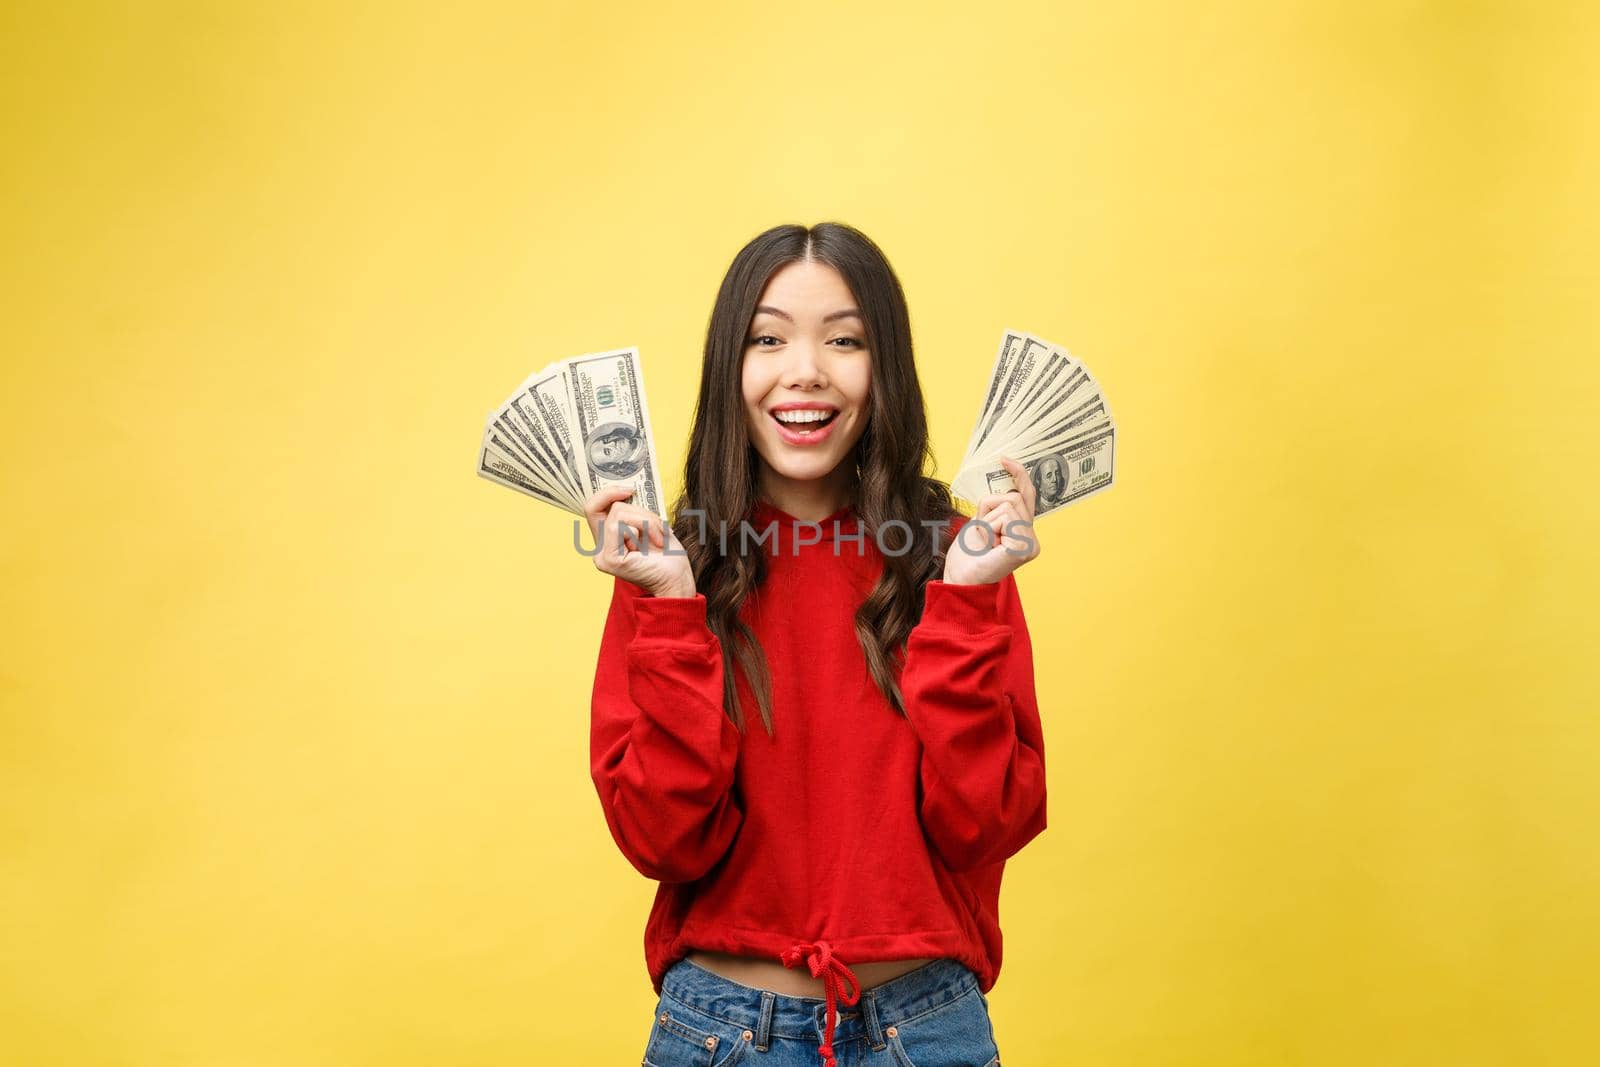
{"x":822,"y":963}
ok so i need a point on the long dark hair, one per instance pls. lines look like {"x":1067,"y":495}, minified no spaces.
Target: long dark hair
{"x":720,"y":473}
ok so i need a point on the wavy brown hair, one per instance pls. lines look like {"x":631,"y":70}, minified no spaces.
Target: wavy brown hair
{"x":720,"y":473}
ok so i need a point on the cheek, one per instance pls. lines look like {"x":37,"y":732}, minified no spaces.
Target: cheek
{"x":753,"y":386}
{"x":860,"y":388}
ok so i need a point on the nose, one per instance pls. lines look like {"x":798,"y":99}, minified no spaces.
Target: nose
{"x":802,"y":368}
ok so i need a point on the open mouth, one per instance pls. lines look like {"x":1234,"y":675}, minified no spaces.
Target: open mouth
{"x":804,"y":422}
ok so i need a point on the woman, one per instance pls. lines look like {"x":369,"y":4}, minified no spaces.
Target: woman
{"x":845,"y":852}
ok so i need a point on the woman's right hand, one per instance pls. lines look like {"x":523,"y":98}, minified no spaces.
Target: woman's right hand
{"x":615,"y":524}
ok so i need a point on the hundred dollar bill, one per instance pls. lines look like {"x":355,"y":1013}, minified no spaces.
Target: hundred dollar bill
{"x":613,"y":443}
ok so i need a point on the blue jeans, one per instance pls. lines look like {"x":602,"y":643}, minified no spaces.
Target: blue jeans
{"x":933,"y":1016}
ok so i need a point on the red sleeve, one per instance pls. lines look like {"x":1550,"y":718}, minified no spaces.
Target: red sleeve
{"x":968,"y":688}
{"x":662,"y":752}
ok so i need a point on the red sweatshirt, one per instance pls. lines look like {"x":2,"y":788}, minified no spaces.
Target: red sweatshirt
{"x":852,"y":834}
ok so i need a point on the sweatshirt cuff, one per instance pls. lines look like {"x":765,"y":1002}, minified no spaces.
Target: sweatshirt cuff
{"x":968,"y":608}
{"x":674,"y":618}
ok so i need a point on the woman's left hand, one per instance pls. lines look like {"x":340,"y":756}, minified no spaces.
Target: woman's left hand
{"x":987,"y":553}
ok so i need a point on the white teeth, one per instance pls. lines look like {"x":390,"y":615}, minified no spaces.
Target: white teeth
{"x":807,"y":415}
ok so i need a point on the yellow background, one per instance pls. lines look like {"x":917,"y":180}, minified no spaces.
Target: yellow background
{"x":293,"y":767}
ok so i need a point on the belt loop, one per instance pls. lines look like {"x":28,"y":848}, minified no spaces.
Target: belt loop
{"x":764,"y":1027}
{"x":869,"y":1012}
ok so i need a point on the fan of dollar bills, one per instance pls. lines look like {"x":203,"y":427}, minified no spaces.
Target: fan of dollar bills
{"x":575,"y":427}
{"x":1046,"y":411}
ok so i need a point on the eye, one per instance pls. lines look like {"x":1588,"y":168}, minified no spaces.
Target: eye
{"x":764,"y":337}
{"x":849,"y":341}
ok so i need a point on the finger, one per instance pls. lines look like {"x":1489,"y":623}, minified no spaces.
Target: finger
{"x":988,"y":521}
{"x":1020,"y":535}
{"x":602,"y":499}
{"x":969,"y":541}
{"x":605,"y":549}
{"x":612,"y":544}
{"x":641,"y":521}
{"x":598,"y":505}
{"x":627,"y":535}
{"x":1018,"y":532}
{"x":1007,"y":516}
{"x":1015,"y":496}
{"x":622,"y":511}
{"x":1025,"y":487}
{"x":620,"y":532}
{"x":989,"y":500}
{"x":999,"y":515}
{"x":653,"y":526}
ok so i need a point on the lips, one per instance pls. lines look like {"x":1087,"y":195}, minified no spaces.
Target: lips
{"x":805,"y":433}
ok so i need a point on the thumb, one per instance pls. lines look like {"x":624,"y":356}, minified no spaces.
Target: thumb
{"x":991,"y":525}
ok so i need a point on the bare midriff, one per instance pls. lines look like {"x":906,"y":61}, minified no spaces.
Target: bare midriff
{"x":774,"y":977}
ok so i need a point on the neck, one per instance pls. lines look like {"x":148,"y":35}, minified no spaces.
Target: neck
{"x":810,"y":499}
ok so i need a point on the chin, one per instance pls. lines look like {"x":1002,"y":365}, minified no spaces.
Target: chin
{"x":806,"y":471}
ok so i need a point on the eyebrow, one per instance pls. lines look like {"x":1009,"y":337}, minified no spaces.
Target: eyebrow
{"x":842,"y":314}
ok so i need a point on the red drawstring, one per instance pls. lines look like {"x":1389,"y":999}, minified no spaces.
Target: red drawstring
{"x":819,"y":957}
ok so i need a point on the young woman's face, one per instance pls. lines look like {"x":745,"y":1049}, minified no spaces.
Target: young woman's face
{"x":806,"y":355}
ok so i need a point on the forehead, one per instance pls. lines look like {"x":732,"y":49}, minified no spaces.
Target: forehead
{"x":807,"y":289}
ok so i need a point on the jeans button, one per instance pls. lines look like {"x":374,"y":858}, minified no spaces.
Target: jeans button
{"x":892,"y":1032}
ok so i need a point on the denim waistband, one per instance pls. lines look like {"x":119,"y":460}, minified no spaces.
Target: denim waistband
{"x":770,"y":1014}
